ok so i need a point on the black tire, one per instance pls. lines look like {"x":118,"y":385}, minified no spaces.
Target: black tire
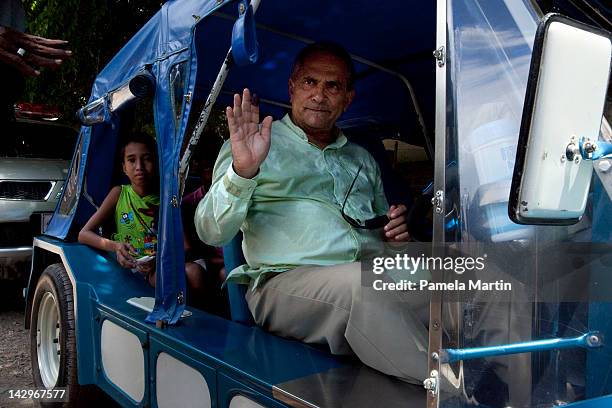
{"x":55,"y":281}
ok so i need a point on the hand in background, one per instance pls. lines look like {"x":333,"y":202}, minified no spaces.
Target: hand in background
{"x":28,"y":53}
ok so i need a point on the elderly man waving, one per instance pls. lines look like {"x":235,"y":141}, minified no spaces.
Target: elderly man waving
{"x":307,"y":201}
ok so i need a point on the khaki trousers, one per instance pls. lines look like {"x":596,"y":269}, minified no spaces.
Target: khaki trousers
{"x":323,"y":305}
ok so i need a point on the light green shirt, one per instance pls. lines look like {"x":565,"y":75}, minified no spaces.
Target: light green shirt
{"x":289,"y":212}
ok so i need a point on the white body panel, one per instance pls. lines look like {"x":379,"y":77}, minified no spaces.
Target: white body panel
{"x":240,"y":401}
{"x":123,"y":359}
{"x":180,"y":384}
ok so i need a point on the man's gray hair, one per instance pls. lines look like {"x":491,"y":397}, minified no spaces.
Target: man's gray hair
{"x":326,"y":47}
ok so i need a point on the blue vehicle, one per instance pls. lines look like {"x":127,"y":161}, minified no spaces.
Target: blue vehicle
{"x":474,"y":110}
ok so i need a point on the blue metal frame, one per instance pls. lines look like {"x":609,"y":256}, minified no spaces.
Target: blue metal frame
{"x":233,"y":258}
{"x":588,"y":340}
{"x":253,"y":358}
{"x":229,"y":387}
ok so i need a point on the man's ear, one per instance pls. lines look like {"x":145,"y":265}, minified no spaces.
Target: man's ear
{"x":349,"y":99}
{"x":290,"y":87}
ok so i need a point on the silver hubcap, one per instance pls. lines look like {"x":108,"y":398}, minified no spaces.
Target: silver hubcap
{"x":47,"y":340}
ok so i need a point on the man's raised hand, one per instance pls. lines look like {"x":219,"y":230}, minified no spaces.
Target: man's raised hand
{"x":250,"y":141}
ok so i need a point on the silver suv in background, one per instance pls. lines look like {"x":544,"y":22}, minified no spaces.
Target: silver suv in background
{"x":34,"y":160}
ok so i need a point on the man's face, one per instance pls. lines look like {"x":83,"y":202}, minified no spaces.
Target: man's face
{"x":318,"y":93}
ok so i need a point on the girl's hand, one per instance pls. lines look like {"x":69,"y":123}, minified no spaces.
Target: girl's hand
{"x":124,"y":255}
{"x":146,"y":268}
{"x":148,"y":271}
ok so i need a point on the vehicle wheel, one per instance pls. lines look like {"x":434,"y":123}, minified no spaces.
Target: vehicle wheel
{"x":53,"y":338}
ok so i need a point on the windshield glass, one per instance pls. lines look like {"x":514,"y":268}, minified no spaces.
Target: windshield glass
{"x":38,"y":140}
{"x":490,"y":45}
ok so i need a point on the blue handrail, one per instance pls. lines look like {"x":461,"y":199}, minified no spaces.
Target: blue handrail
{"x":588,"y":340}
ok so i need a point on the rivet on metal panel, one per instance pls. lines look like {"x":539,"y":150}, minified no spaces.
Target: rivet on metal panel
{"x":572,"y":150}
{"x":435,"y":356}
{"x":431,"y":383}
{"x":440,"y":56}
{"x":593,"y":340}
{"x":437,"y":201}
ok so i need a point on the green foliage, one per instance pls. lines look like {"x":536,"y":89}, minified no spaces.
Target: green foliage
{"x":96,"y":30}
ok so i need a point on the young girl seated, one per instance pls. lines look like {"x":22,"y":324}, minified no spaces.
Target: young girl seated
{"x":135,"y":209}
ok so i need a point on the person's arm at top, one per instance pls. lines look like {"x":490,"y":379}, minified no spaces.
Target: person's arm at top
{"x":88,"y":234}
{"x":224,"y":208}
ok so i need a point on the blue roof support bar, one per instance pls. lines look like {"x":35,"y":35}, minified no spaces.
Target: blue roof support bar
{"x":588,"y":340}
{"x":210,"y":101}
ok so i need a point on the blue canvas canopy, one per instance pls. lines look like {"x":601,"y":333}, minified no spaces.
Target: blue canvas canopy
{"x":190,"y":38}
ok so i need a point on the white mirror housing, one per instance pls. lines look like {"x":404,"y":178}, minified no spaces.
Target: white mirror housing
{"x":564,"y":102}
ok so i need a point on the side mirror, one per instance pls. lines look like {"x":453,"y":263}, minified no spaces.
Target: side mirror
{"x":558,"y":139}
{"x":142,"y":85}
